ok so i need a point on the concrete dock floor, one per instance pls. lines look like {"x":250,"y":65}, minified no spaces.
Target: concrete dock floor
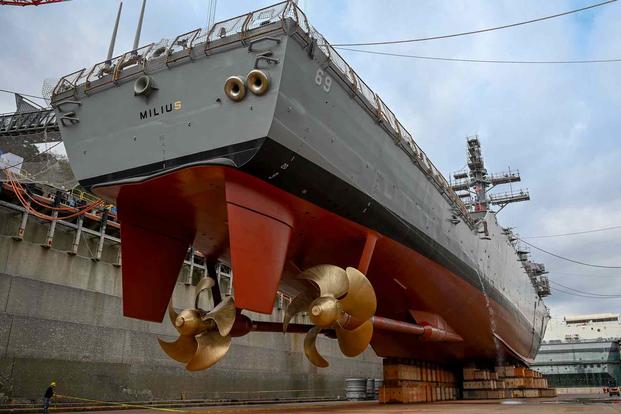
{"x":590,"y":405}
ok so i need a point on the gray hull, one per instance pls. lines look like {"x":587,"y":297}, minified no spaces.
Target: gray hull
{"x":319,"y":134}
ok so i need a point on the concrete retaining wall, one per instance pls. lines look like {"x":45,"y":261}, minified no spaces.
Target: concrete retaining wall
{"x":61,"y":319}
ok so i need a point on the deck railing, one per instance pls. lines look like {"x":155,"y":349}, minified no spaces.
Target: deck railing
{"x":251,"y":25}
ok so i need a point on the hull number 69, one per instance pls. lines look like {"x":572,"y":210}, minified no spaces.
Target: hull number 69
{"x":324,"y":80}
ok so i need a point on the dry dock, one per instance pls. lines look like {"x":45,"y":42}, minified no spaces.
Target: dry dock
{"x":590,"y":404}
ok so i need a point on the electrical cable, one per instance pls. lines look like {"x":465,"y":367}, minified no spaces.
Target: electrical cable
{"x":31,"y":158}
{"x":584,"y":292}
{"x":567,"y":259}
{"x":496,"y":61}
{"x":583,"y":275}
{"x":556,"y":289}
{"x":562,"y":287}
{"x":567,"y":292}
{"x":424,"y":39}
{"x":574,"y":233}
{"x":22,"y":94}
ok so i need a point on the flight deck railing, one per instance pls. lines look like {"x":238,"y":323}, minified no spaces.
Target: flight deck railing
{"x":251,"y":25}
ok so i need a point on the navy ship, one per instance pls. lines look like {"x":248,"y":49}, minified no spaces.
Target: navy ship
{"x":255,"y":143}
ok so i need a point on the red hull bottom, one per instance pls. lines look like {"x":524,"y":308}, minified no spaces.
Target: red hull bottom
{"x":268,"y":235}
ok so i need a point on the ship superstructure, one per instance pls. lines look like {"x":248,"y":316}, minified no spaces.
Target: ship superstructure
{"x":276,"y":158}
{"x":473,"y":188}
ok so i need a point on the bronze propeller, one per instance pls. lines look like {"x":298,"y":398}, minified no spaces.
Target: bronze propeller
{"x":339,"y":299}
{"x":204,"y":336}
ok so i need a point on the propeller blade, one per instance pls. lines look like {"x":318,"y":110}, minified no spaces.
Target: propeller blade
{"x":223,"y":315}
{"x":331,"y":280}
{"x":360,"y":301}
{"x":211,"y":348}
{"x":182,"y":350}
{"x":311,"y":350}
{"x":354,"y":342}
{"x":205,"y":283}
{"x":299,"y":304}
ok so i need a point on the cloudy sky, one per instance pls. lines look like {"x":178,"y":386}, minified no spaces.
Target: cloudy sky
{"x":559,"y":124}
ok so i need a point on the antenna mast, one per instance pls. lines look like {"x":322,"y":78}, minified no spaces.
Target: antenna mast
{"x":211,"y":13}
{"x":472,"y":186}
{"x":139,"y":28}
{"x":116,"y":28}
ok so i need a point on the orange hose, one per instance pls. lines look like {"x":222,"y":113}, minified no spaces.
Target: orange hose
{"x":38,"y":202}
{"x":35,"y":213}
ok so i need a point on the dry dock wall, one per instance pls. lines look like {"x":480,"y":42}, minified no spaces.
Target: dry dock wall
{"x":61,"y":319}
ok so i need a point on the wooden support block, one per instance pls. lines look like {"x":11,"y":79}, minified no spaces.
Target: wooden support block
{"x":509,"y":372}
{"x":517,"y":393}
{"x":416,"y":372}
{"x":428,"y":393}
{"x":548,"y":393}
{"x":480,"y":385}
{"x":520,"y":372}
{"x":399,"y":372}
{"x":500,"y":371}
{"x":469,"y":374}
{"x":404,"y":395}
{"x":496,"y":394}
{"x":391,"y":372}
{"x":511,"y":383}
{"x":530,"y":393}
{"x":475,"y":394}
{"x":482,"y":375}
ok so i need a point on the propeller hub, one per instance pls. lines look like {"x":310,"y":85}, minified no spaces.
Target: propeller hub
{"x":324,"y":311}
{"x":189,"y":323}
